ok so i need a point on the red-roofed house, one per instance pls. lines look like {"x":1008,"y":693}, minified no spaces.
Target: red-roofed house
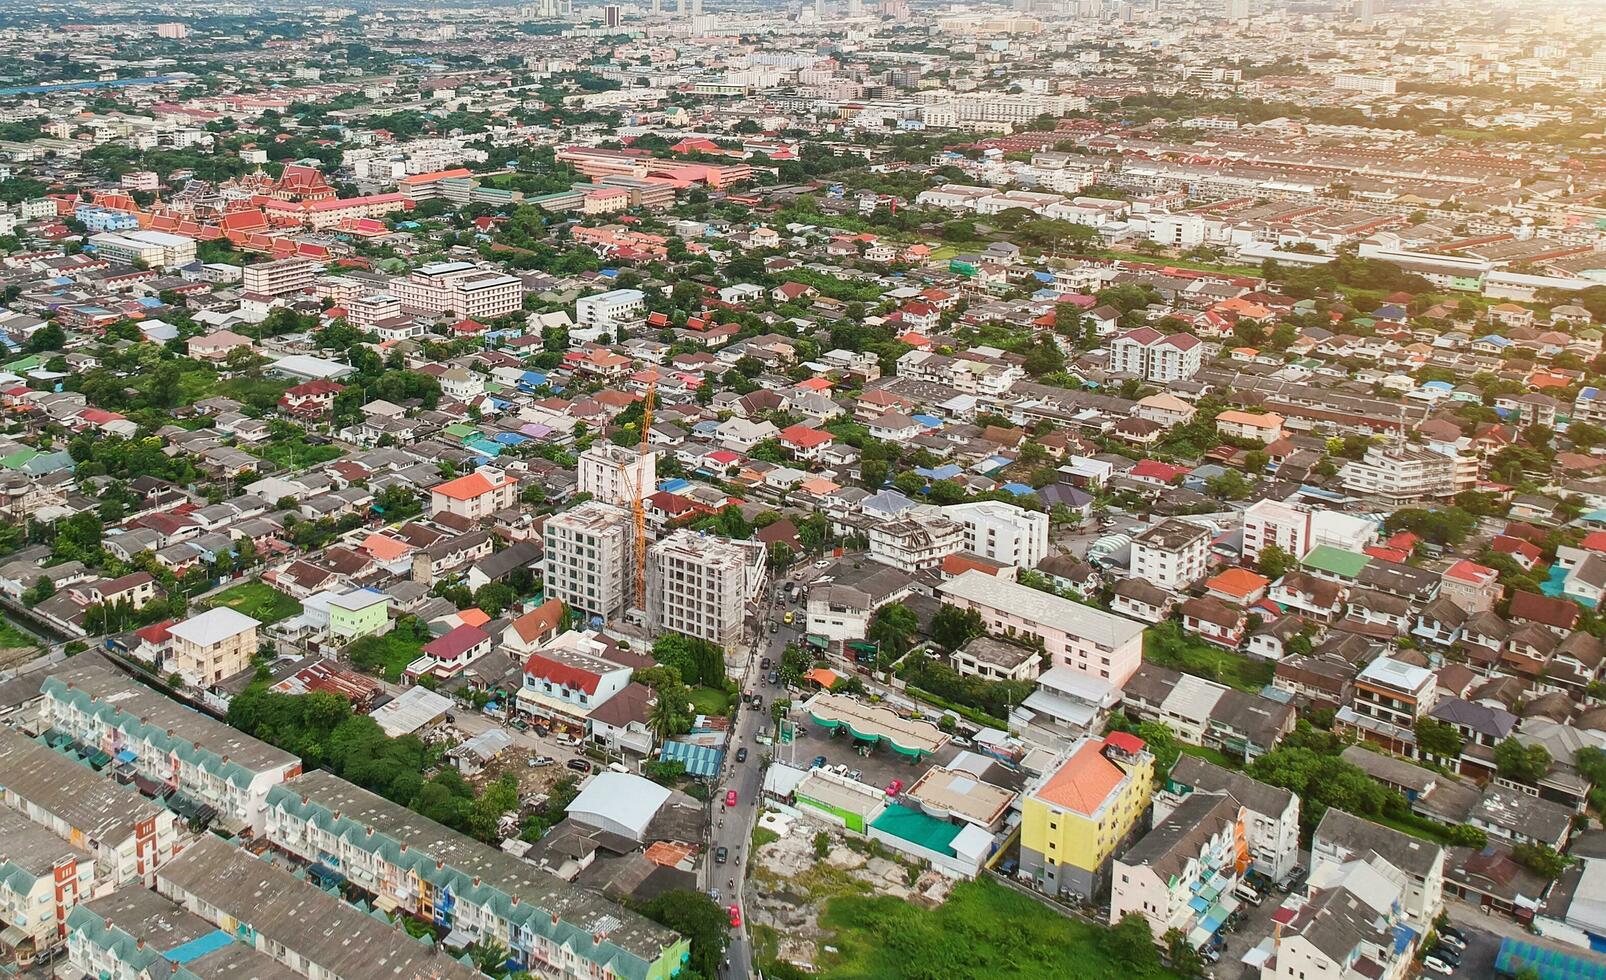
{"x":313,"y":399}
{"x":475,"y":496}
{"x":1471,"y":586}
{"x":804,"y":442}
{"x":568,"y":679}
{"x":1524,"y":553}
{"x":529,"y":632}
{"x":446,"y":656}
{"x":1157,"y":473}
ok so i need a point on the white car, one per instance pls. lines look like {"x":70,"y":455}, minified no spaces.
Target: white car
{"x":823,"y":563}
{"x":1437,"y":965}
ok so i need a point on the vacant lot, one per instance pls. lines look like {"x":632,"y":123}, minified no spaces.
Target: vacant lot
{"x":261,"y":602}
{"x":982,"y":930}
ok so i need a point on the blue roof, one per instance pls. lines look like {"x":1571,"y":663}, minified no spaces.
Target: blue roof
{"x":485,"y":447}
{"x":673,"y":486}
{"x":1403,"y":934}
{"x":1589,"y":392}
{"x":929,"y":421}
{"x":1494,"y":339}
{"x":510,"y":438}
{"x":1439,"y":385}
{"x":533,"y":377}
{"x":699,"y":760}
{"x":947,"y":471}
{"x":199,"y":947}
{"x":1019,"y":489}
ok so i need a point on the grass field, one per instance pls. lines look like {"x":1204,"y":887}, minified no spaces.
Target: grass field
{"x":984,"y":930}
{"x":296,"y":454}
{"x":386,"y":655}
{"x":1210,"y":755}
{"x":12,"y":638}
{"x":710,"y":701}
{"x":261,"y":602}
{"x":1168,"y":646}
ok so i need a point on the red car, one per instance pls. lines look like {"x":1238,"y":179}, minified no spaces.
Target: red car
{"x":730,"y":797}
{"x":736,"y":917}
{"x":895,"y":787}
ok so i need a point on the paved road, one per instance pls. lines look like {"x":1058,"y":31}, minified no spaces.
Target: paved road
{"x":733,"y":829}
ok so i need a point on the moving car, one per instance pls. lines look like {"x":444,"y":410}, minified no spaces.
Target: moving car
{"x":758,"y":702}
{"x":730,"y":797}
{"x":736,"y":917}
{"x":579,"y":765}
{"x":775,"y":677}
{"x":764,"y":664}
{"x":823,"y":563}
{"x":787,"y":619}
{"x":895,"y":787}
{"x":720,"y":854}
{"x":741,"y":754}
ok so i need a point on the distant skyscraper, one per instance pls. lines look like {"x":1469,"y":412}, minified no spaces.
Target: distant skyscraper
{"x":611,"y":15}
{"x":1365,"y":12}
{"x":696,"y":8}
{"x":855,"y":8}
{"x":819,"y":11}
{"x":1237,"y":10}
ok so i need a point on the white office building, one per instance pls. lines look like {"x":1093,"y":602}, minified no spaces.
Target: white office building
{"x":1002,"y":532}
{"x":608,"y":310}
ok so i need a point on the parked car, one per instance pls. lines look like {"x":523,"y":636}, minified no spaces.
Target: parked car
{"x":541,"y":760}
{"x":1437,"y":965}
{"x":1446,"y":954}
{"x":895,"y":787}
{"x":579,"y":765}
{"x":818,"y":762}
{"x":730,"y":797}
{"x":855,"y":774}
{"x":1209,"y":953}
{"x":1295,"y":880}
{"x":1453,"y":936}
{"x":741,"y":754}
{"x":1248,"y":893}
{"x":721,"y":854}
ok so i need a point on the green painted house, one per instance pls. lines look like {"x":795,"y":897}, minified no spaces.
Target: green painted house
{"x":360,"y":612}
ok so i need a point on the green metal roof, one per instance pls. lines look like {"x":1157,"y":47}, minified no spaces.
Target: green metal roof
{"x":917,"y":828}
{"x":1336,"y":561}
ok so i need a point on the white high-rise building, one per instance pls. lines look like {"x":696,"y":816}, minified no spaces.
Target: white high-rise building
{"x":700,"y":585}
{"x":617,"y":475}
{"x":589,"y":561}
{"x":1002,"y":532}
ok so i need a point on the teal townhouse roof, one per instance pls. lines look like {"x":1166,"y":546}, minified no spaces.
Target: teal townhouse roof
{"x":520,"y":894}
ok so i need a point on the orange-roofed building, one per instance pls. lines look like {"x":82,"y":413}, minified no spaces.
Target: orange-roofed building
{"x":825,"y":677}
{"x":473,"y":616}
{"x":385,"y":548}
{"x":961,"y":562}
{"x":1238,"y":585}
{"x":1078,"y":815}
{"x":476,"y":496}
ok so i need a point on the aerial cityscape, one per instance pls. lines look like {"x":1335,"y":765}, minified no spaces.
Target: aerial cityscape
{"x":858,"y":489}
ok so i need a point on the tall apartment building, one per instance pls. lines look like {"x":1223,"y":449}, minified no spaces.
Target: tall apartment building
{"x":155,"y":249}
{"x":700,"y":586}
{"x":1078,"y":814}
{"x":1399,"y":474}
{"x":913,"y":544}
{"x":1089,"y":640}
{"x":549,"y":927}
{"x":152,"y":737}
{"x":1297,"y":530}
{"x":617,"y":475}
{"x":280,"y":276}
{"x":366,"y":311}
{"x":589,"y":562}
{"x":128,"y":835}
{"x":1372,"y":84}
{"x":1002,"y":532}
{"x":1149,"y":354}
{"x":1171,"y":555}
{"x":608,"y":309}
{"x":218,"y":643}
{"x":461,"y":287}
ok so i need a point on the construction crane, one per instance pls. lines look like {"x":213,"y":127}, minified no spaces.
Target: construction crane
{"x":628,"y":471}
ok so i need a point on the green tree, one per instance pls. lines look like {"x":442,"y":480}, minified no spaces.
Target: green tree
{"x":1522,"y":763}
{"x":1275,"y":562}
{"x":952,"y":627}
{"x":1130,"y":942}
{"x":695,"y":916}
{"x":1438,"y":738}
{"x":1541,"y":859}
{"x":893,"y":627}
{"x":1185,"y":959}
